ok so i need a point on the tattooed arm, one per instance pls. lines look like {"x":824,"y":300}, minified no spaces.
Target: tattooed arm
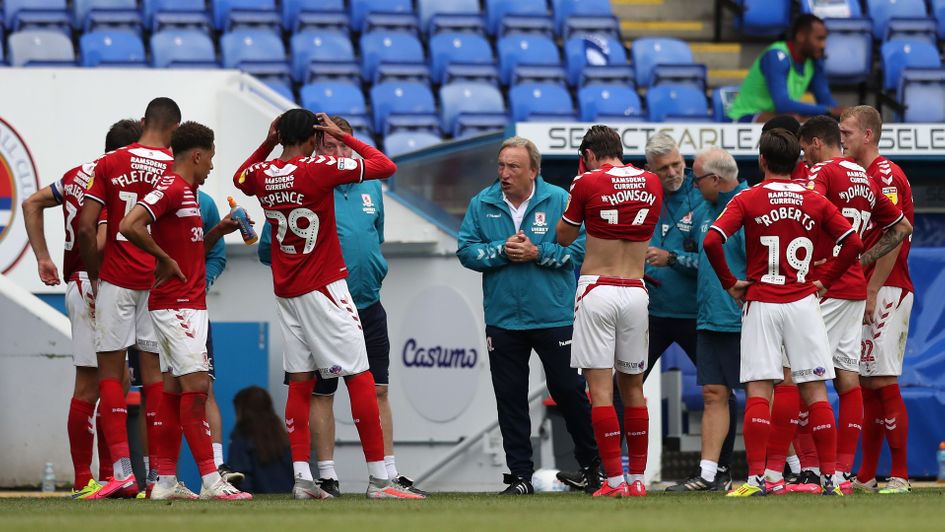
{"x":888,"y":242}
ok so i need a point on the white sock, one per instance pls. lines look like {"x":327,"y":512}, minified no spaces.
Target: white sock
{"x":217,"y":454}
{"x":756,"y":481}
{"x":147,"y":465}
{"x":631,"y":478}
{"x":816,"y":471}
{"x":838,"y":478}
{"x":795,"y":464}
{"x":326,"y":469}
{"x":773,"y":476}
{"x":122,"y":469}
{"x":708,"y":469}
{"x":210,"y":479}
{"x":302,"y":470}
{"x":167,"y":481}
{"x":377,"y":470}
{"x":613,"y":482}
{"x":391,"y":466}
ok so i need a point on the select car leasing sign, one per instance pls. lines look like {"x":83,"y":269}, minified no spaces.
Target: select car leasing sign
{"x":898,"y":140}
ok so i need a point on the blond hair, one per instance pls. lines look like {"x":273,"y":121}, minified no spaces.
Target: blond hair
{"x":867,"y":118}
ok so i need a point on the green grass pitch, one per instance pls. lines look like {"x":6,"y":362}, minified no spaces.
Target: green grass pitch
{"x":924,"y":509}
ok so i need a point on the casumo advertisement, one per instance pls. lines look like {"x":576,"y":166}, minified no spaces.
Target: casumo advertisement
{"x":18,"y":180}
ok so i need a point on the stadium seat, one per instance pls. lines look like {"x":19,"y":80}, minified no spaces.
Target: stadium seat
{"x":465,"y":102}
{"x":281,"y":88}
{"x":336,"y":98}
{"x":412,"y":101}
{"x":450,"y":15}
{"x":515,"y":14}
{"x":832,"y":9}
{"x":182,"y":48}
{"x":922,"y":92}
{"x":565,"y":9}
{"x":650,"y":53}
{"x":538,"y":101}
{"x":394,"y":11}
{"x":36,"y":14}
{"x":462,"y":55}
{"x":906,"y":53}
{"x":677,"y":102}
{"x":300,"y":15}
{"x":233,"y":14}
{"x":91,"y":14}
{"x":938,"y":11}
{"x":722,"y":98}
{"x":256,"y":51}
{"x":323,"y":54}
{"x":191,"y":14}
{"x":383,"y":47}
{"x":519,"y":50}
{"x":763,"y":18}
{"x":407,"y":141}
{"x":593,"y":52}
{"x":914,"y":28}
{"x":881,"y":11}
{"x":596,"y":25}
{"x":849,"y":57}
{"x":40,"y":47}
{"x":111,"y":48}
{"x":609,"y":103}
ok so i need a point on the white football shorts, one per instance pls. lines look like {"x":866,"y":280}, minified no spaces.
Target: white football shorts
{"x":122,"y":319}
{"x":81,"y":309}
{"x":884,"y":340}
{"x":182,"y":337}
{"x":611,"y":324}
{"x":843,"y":319}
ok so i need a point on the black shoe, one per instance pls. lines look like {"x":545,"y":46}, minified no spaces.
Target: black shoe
{"x":233,"y":477}
{"x":723,"y":480}
{"x":517,"y":485}
{"x":329,"y":486}
{"x":407,"y":484}
{"x":588,"y":479}
{"x":695,"y":483}
{"x":791,"y":478}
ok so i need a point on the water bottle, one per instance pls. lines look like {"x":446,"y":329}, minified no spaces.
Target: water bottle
{"x":940,"y":456}
{"x":239,"y":214}
{"x":49,"y":478}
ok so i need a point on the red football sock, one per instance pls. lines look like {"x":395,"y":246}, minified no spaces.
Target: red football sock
{"x":824,"y":431}
{"x":367,"y":419}
{"x":297,"y":408}
{"x":193,"y":419}
{"x":873,"y":432}
{"x":114,"y":411}
{"x":168,"y":434}
{"x":849,"y":426}
{"x":804,"y":442}
{"x":607,"y":432}
{"x":636,"y":423}
{"x":896,"y":420}
{"x":81,"y":440}
{"x":757,"y":429}
{"x":784,"y":415}
{"x":105,"y":464}
{"x":152,"y":402}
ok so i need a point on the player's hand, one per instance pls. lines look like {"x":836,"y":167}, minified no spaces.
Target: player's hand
{"x":820,"y":289}
{"x":272,"y":137}
{"x":328,"y":127}
{"x":228,"y":225}
{"x":870,"y":308}
{"x":48,"y":273}
{"x":656,"y":256}
{"x":819,"y":262}
{"x":738,"y":290}
{"x":167,"y":269}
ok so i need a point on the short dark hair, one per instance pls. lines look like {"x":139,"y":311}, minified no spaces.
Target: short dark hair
{"x":787,"y":122}
{"x":122,"y":133}
{"x":825,"y":128}
{"x":161,"y":114}
{"x":804,"y":23}
{"x":296,"y":126}
{"x":603,"y":141}
{"x":190,"y":136}
{"x":780,"y":149}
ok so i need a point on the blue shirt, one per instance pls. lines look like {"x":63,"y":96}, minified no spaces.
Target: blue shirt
{"x":529,"y":295}
{"x":672,"y":298}
{"x":775,"y":66}
{"x":216,"y":258}
{"x":718,"y":311}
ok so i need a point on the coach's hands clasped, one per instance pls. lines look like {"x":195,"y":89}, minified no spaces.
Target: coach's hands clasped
{"x":518,"y":248}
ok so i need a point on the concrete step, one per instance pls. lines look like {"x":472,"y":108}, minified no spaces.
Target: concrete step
{"x":656,"y":10}
{"x":685,"y":29}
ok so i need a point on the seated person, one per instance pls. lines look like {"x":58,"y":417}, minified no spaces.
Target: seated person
{"x":259,"y":444}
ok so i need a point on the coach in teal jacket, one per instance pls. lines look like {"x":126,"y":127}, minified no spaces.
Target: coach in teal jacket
{"x":528,"y":285}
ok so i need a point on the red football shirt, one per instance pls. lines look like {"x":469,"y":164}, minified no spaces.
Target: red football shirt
{"x":70,"y":193}
{"x":782,"y":220}
{"x":616,"y":203}
{"x":120,"y":180}
{"x":178,"y":230}
{"x":892,"y":183}
{"x":799,"y":175}
{"x":847,"y":186}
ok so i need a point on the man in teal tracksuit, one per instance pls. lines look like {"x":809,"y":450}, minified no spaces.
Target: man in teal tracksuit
{"x":718,"y":325}
{"x":528,"y":285}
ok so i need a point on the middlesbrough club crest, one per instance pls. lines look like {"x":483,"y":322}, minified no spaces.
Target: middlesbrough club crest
{"x":539,"y":218}
{"x":18,"y":179}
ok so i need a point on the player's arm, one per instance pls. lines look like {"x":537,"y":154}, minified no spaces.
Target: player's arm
{"x":728,"y":223}
{"x":33,"y":208}
{"x":566,"y":233}
{"x":838,"y":228}
{"x":474,"y":251}
{"x":213,"y":243}
{"x":134,"y":227}
{"x":556,"y":255}
{"x":568,"y":228}
{"x":891,"y":240}
{"x":775,"y":66}
{"x":258,"y":156}
{"x":882,"y":269}
{"x":820,"y":88}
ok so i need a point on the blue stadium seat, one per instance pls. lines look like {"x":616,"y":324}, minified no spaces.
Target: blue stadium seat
{"x":849,"y":58}
{"x":256,"y":51}
{"x":40,"y":47}
{"x":190,"y":14}
{"x":176,"y":48}
{"x":407,"y":141}
{"x":518,"y":50}
{"x":323,"y":54}
{"x":881,"y":11}
{"x":111,"y":48}
{"x":233,"y":14}
{"x":514,"y":12}
{"x":463,"y":103}
{"x":722,"y":98}
{"x":360,"y":9}
{"x":36,"y":14}
{"x":382,"y":47}
{"x":609,"y":103}
{"x":834,"y":9}
{"x":922,"y":91}
{"x":938,"y":11}
{"x":765,"y":18}
{"x":450,"y":15}
{"x":565,"y":9}
{"x":410,"y":100}
{"x":461,"y":55}
{"x":300,"y":15}
{"x":539,"y":101}
{"x":593,"y":52}
{"x":282,"y":89}
{"x":651,"y":53}
{"x":906,"y":53}
{"x":596,"y":25}
{"x":336,"y":98}
{"x":91,"y":14}
{"x":914,"y":28}
{"x":677,"y":103}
